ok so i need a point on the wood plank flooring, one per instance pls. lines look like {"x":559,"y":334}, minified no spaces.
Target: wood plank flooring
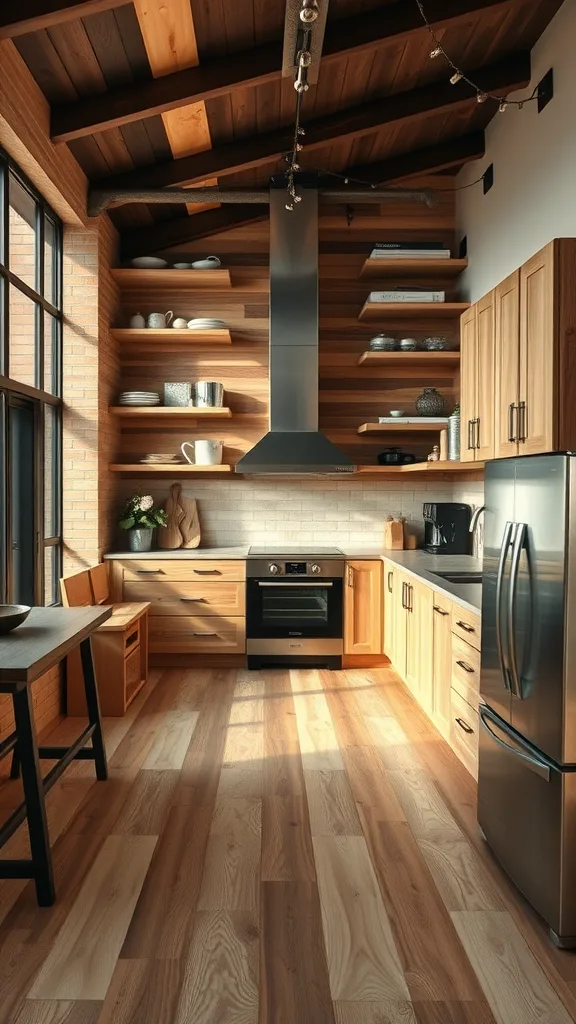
{"x":273,"y":848}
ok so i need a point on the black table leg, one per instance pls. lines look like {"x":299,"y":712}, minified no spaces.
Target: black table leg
{"x":34,"y":796}
{"x":15,"y":766}
{"x":93,"y":705}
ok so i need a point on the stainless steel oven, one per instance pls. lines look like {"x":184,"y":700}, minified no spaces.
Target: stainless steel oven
{"x":294,"y":608}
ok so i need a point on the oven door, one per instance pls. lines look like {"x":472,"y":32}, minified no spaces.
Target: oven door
{"x":286,"y":608}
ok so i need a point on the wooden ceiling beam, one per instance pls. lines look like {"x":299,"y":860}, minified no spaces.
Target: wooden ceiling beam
{"x":502,"y":77}
{"x":169,"y":233}
{"x":166,"y":234}
{"x":262,"y":64}
{"x":18,"y":17}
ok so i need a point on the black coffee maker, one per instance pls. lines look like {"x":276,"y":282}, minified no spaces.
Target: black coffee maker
{"x":447,"y":528}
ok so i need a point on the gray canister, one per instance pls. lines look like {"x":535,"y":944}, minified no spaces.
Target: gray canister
{"x":454,"y":436}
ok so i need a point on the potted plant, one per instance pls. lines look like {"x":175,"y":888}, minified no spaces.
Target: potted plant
{"x":139,"y":517}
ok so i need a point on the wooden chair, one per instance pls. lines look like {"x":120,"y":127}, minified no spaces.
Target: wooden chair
{"x":120,"y":645}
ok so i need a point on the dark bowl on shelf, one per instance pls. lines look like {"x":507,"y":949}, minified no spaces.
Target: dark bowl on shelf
{"x":12,"y":615}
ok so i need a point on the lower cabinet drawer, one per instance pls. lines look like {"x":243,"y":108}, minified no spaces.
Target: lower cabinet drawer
{"x":467,"y":626}
{"x":181,"y":598}
{"x":466,"y":671}
{"x":190,"y":569}
{"x":464,"y":732}
{"x":195,"y":634}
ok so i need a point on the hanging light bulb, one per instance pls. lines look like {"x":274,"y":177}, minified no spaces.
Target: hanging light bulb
{"x":435,"y":52}
{"x":309,"y":12}
{"x":456,"y":77}
{"x":289,"y":206}
{"x":482,"y":97}
{"x":301,"y":80}
{"x":502,"y":106}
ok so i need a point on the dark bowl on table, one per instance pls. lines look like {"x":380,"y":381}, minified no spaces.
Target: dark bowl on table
{"x":12,"y":615}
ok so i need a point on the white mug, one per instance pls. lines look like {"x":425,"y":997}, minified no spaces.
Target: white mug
{"x":180,"y":323}
{"x":206,"y":452}
{"x":159,"y":321}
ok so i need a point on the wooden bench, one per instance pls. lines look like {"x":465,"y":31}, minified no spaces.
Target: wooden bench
{"x":120,"y":645}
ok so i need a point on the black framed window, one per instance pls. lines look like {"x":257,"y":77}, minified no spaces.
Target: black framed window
{"x":30,"y":392}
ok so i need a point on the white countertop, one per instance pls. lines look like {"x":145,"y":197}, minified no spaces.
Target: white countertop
{"x":239,"y":552}
{"x":422,"y":566}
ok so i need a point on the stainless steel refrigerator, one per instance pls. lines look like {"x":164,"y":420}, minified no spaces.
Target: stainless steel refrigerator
{"x":527,"y":758}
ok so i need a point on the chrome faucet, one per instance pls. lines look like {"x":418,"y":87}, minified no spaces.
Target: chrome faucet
{"x":475,"y":517}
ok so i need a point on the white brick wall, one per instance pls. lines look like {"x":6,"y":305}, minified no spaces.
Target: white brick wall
{"x":297,"y":510}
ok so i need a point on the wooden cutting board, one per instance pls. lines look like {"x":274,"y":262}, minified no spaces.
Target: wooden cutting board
{"x":170,"y":536}
{"x":190,"y":524}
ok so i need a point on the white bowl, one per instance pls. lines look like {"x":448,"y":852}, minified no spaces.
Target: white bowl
{"x":149,"y":263}
{"x":212,"y":264}
{"x":396,"y":413}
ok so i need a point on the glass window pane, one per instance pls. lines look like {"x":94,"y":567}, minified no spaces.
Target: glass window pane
{"x":51,"y":575}
{"x":52,"y":333}
{"x":22,"y":337}
{"x":22,"y":525}
{"x":51,"y":262}
{"x":51,"y":470}
{"x":22,"y":234}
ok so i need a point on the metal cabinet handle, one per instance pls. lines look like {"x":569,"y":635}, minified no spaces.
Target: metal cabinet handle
{"x":404,"y":585}
{"x":207,"y":572}
{"x":185,"y":599}
{"x":511,"y":433}
{"x":470,"y":439}
{"x":477,"y":435}
{"x":390,"y":578}
{"x":204,"y":634}
{"x":466,"y":667}
{"x":464,"y":725}
{"x":439,"y":610}
{"x":522,"y":425}
{"x":350,"y":579}
{"x":465,"y":626}
{"x":150,"y":572}
{"x":409,"y":591}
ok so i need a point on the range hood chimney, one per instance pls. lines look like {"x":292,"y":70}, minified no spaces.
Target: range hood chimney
{"x":294,"y":444}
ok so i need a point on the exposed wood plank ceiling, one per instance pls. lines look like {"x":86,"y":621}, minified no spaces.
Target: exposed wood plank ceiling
{"x":164,"y":92}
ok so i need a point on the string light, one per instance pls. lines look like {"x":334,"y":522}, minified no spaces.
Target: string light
{"x":459,"y":76}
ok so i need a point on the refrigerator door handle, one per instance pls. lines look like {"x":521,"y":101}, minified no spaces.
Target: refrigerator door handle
{"x":535,"y":765}
{"x":519,"y":540}
{"x":508,"y":530}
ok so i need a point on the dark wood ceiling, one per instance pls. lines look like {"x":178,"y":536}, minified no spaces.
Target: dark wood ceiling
{"x":88,"y":67}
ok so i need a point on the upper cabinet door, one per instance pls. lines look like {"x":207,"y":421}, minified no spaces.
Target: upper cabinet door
{"x":507,"y":365}
{"x":538,"y":410}
{"x":468,"y":383}
{"x":483,"y":432}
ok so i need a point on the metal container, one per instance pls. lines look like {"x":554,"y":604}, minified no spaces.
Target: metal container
{"x":140,"y":539}
{"x":454,"y":436}
{"x":208,"y":394}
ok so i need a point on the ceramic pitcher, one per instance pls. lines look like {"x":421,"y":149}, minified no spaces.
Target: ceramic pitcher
{"x":137,"y":321}
{"x":160,"y":320}
{"x":206,"y":452}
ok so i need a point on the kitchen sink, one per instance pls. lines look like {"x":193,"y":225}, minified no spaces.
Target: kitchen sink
{"x":459,"y":577}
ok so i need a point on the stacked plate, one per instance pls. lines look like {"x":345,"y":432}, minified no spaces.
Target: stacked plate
{"x":139,"y":398}
{"x":160,"y":459}
{"x":205,"y":324}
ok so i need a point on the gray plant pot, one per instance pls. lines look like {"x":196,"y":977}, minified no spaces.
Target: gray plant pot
{"x":140,"y":540}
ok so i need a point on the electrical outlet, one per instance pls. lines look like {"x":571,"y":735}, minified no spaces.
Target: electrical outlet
{"x":545,"y":90}
{"x":488,"y":178}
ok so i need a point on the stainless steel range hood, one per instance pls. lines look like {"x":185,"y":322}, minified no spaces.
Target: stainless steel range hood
{"x":294,"y":444}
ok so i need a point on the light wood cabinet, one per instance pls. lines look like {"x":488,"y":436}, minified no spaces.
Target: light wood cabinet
{"x":537,"y":409}
{"x":477,"y":381}
{"x":441,"y":663}
{"x":507,"y":363}
{"x":400,"y":622}
{"x":390,"y":583}
{"x":464,"y":732}
{"x":419,"y":642}
{"x":363,"y":607}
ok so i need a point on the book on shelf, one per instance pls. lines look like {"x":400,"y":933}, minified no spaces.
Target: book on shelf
{"x":409,"y":296}
{"x":410,"y":254}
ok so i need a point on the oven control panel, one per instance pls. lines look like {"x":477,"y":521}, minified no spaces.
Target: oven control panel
{"x":295,"y":568}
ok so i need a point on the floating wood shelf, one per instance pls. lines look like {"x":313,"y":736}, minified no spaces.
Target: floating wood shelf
{"x":401,"y":428}
{"x":387,"y":266}
{"x":179,"y":468}
{"x":425,"y":467}
{"x":167,"y":412}
{"x":397,"y":359}
{"x":372,"y":311}
{"x":193,"y":280}
{"x":161,"y":339}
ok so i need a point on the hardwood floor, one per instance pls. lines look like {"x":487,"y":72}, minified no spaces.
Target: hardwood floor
{"x":273,"y":848}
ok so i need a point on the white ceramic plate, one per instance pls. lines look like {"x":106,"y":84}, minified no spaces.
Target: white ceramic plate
{"x":149,"y":263}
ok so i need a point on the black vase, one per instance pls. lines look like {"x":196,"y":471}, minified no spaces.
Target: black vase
{"x":430,"y":403}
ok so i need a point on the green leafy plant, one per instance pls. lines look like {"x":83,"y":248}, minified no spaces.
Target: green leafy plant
{"x":138,"y":513}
